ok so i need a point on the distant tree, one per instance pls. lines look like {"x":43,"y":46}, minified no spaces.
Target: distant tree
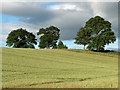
{"x":61,"y":45}
{"x":55,"y":46}
{"x":21,"y":38}
{"x":83,"y":36}
{"x":101,"y":33}
{"x":49,"y":37}
{"x":65,"y":47}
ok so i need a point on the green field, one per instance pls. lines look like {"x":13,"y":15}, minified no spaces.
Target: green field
{"x":54,"y":68}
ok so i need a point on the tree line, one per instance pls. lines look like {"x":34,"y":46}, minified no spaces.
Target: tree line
{"x":21,"y":38}
{"x":95,"y":34}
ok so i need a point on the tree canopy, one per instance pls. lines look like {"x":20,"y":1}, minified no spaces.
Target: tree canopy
{"x":101,"y":33}
{"x":83,"y":36}
{"x":21,"y":38}
{"x":49,"y":37}
{"x":61,"y":45}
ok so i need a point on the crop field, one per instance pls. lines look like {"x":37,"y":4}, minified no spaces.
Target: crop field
{"x":55,"y":68}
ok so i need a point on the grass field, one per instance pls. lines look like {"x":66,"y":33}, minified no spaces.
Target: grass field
{"x":40,"y":68}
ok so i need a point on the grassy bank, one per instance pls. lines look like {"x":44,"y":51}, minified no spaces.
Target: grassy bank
{"x":46,"y":68}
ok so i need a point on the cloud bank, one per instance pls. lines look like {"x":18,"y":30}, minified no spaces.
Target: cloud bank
{"x":68,"y":17}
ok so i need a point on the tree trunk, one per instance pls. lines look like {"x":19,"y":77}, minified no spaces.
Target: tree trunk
{"x":84,"y":46}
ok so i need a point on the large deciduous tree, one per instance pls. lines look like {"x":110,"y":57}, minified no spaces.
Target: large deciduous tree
{"x":49,"y":37}
{"x":83,"y":36}
{"x":101,"y":33}
{"x":21,"y":38}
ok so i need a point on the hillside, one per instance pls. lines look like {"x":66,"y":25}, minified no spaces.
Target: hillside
{"x":46,"y":68}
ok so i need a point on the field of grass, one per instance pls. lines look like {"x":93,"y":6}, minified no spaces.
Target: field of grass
{"x":46,"y":68}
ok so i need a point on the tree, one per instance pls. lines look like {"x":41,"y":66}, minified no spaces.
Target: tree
{"x":83,"y":36}
{"x":21,"y":38}
{"x":61,"y":45}
{"x":49,"y":37}
{"x":101,"y":33}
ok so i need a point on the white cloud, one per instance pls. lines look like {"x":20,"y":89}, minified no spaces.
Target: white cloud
{"x":113,"y":48}
{"x":102,"y":0}
{"x":66,"y":7}
{"x":60,"y":0}
{"x":75,"y":46}
{"x":7,"y":27}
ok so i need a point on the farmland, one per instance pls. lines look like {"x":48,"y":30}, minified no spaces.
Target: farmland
{"x":55,"y":68}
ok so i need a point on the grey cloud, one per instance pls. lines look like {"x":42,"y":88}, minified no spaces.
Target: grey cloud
{"x":28,"y":12}
{"x":106,"y":9}
{"x":71,"y":23}
{"x":34,"y":16}
{"x":109,"y":11}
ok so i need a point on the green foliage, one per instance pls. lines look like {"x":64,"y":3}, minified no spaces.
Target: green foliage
{"x":49,"y":37}
{"x":21,"y":38}
{"x":83,"y":36}
{"x":101,"y":33}
{"x":61,"y":45}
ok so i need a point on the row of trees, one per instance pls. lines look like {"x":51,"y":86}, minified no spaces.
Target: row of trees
{"x":96,"y":34}
{"x":21,"y":38}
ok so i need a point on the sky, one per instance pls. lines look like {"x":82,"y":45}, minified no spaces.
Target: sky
{"x":69,"y":17}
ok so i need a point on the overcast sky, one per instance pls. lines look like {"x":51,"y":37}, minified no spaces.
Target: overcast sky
{"x":69,"y":17}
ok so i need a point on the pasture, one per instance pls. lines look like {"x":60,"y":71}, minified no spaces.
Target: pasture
{"x":55,"y":68}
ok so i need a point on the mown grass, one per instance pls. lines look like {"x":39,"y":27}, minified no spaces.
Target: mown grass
{"x":46,"y":68}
